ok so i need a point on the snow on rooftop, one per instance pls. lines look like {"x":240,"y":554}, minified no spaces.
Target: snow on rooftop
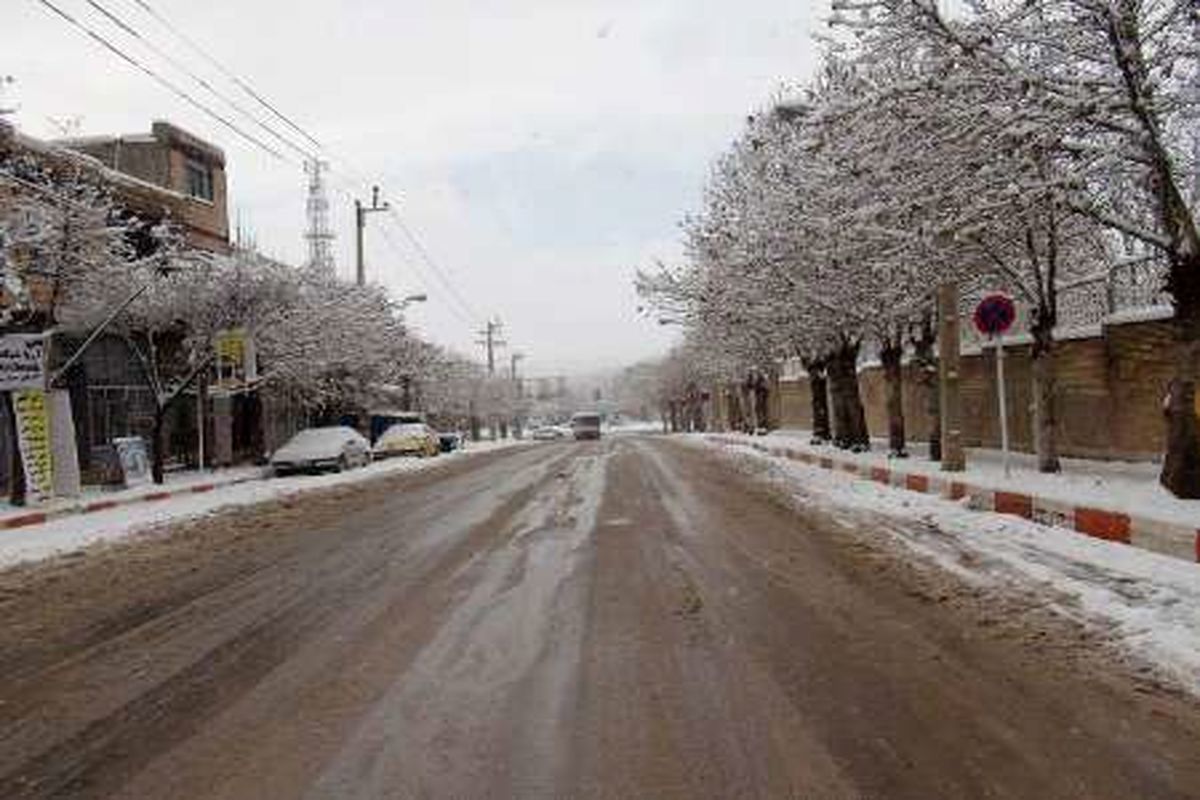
{"x":56,"y":150}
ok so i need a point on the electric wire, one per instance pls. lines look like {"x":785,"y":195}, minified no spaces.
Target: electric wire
{"x":128,"y":28}
{"x":243,"y":85}
{"x":434,"y":267}
{"x":406,"y":230}
{"x":455,"y":303}
{"x":458,"y":304}
{"x":165,"y":83}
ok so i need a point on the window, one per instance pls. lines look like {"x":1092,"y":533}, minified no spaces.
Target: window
{"x":199,"y":180}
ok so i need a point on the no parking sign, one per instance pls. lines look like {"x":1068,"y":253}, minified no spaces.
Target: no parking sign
{"x":994,"y":315}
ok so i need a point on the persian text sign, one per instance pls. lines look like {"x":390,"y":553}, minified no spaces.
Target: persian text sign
{"x":22,"y":361}
{"x":33,"y":438}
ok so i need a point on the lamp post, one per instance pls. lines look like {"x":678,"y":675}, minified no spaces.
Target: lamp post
{"x":406,"y":381}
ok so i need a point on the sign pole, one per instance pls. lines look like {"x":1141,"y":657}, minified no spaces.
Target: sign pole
{"x":1002,"y":393}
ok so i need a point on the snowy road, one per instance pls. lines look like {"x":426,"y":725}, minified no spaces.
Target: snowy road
{"x":623,"y":619}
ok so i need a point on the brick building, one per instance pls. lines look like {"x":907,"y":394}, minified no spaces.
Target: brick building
{"x":175,"y":173}
{"x":167,"y":174}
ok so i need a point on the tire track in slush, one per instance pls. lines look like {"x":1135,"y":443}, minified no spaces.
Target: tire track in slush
{"x":496,"y":675}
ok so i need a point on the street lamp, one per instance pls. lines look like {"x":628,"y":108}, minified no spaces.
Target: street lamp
{"x":406,"y":381}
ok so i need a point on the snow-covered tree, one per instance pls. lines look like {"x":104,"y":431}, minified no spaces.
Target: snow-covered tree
{"x":1108,"y":89}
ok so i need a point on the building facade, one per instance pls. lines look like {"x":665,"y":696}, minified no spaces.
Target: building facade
{"x":166,"y":175}
{"x":189,"y":169}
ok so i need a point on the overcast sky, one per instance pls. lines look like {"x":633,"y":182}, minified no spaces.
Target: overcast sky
{"x":542,"y":150}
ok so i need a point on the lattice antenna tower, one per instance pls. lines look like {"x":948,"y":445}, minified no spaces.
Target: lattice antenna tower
{"x":319,"y":234}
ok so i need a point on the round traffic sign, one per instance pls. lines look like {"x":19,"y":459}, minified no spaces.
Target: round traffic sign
{"x":995,"y":314}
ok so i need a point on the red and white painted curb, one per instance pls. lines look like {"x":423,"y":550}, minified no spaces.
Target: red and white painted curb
{"x":1146,"y":533}
{"x":40,"y":516}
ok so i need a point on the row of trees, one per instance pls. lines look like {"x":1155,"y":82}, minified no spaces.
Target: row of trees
{"x":73,"y":258}
{"x":1024,"y":146}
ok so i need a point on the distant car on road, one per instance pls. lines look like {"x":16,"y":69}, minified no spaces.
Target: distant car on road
{"x":449,"y":441}
{"x":585,"y":425}
{"x":548,"y":433}
{"x":410,"y":438}
{"x":335,"y":447}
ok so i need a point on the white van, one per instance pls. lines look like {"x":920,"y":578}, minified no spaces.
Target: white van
{"x":585,"y":425}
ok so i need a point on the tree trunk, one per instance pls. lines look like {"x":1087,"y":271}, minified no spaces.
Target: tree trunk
{"x":1181,"y":465}
{"x":926,"y":361}
{"x":156,"y":456}
{"x":849,"y":419}
{"x":1045,"y":416}
{"x":762,"y":405}
{"x":16,"y":467}
{"x":818,"y":387}
{"x":733,"y":410}
{"x":892,"y":354}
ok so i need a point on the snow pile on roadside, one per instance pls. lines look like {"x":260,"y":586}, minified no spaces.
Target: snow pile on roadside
{"x":1128,"y":486}
{"x":71,"y":533}
{"x":175,"y":481}
{"x":636,"y":426}
{"x":1151,"y":603}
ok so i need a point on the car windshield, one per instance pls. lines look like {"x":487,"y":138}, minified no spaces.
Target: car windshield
{"x":414,"y":429}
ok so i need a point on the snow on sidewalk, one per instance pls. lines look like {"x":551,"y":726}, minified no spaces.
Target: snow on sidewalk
{"x":70,"y":533}
{"x":1128,"y":486}
{"x":1150,"y":602}
{"x":174,"y":482}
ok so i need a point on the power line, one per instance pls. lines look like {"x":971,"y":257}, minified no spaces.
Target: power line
{"x":243,"y":85}
{"x":428,"y":259}
{"x":171,"y":87}
{"x":115,"y":19}
{"x":423,"y":253}
{"x":431,"y":264}
{"x":455,"y":310}
{"x":455,"y":302}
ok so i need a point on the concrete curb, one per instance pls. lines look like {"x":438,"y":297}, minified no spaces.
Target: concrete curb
{"x":1146,"y":533}
{"x":38,"y":517}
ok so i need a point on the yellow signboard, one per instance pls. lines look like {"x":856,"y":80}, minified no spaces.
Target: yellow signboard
{"x":33,"y":439}
{"x":235,"y":360}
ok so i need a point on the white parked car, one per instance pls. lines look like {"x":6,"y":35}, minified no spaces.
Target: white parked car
{"x":335,"y":447}
{"x":548,"y":433}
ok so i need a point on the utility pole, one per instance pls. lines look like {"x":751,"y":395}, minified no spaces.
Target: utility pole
{"x":491,"y":341}
{"x":360,"y":222}
{"x":949,"y":344}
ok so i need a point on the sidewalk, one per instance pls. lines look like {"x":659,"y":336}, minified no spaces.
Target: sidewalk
{"x":1118,"y":501}
{"x":94,"y":499}
{"x":66,"y":526}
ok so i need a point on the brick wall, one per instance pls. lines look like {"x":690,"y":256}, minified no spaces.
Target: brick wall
{"x":1110,"y":391}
